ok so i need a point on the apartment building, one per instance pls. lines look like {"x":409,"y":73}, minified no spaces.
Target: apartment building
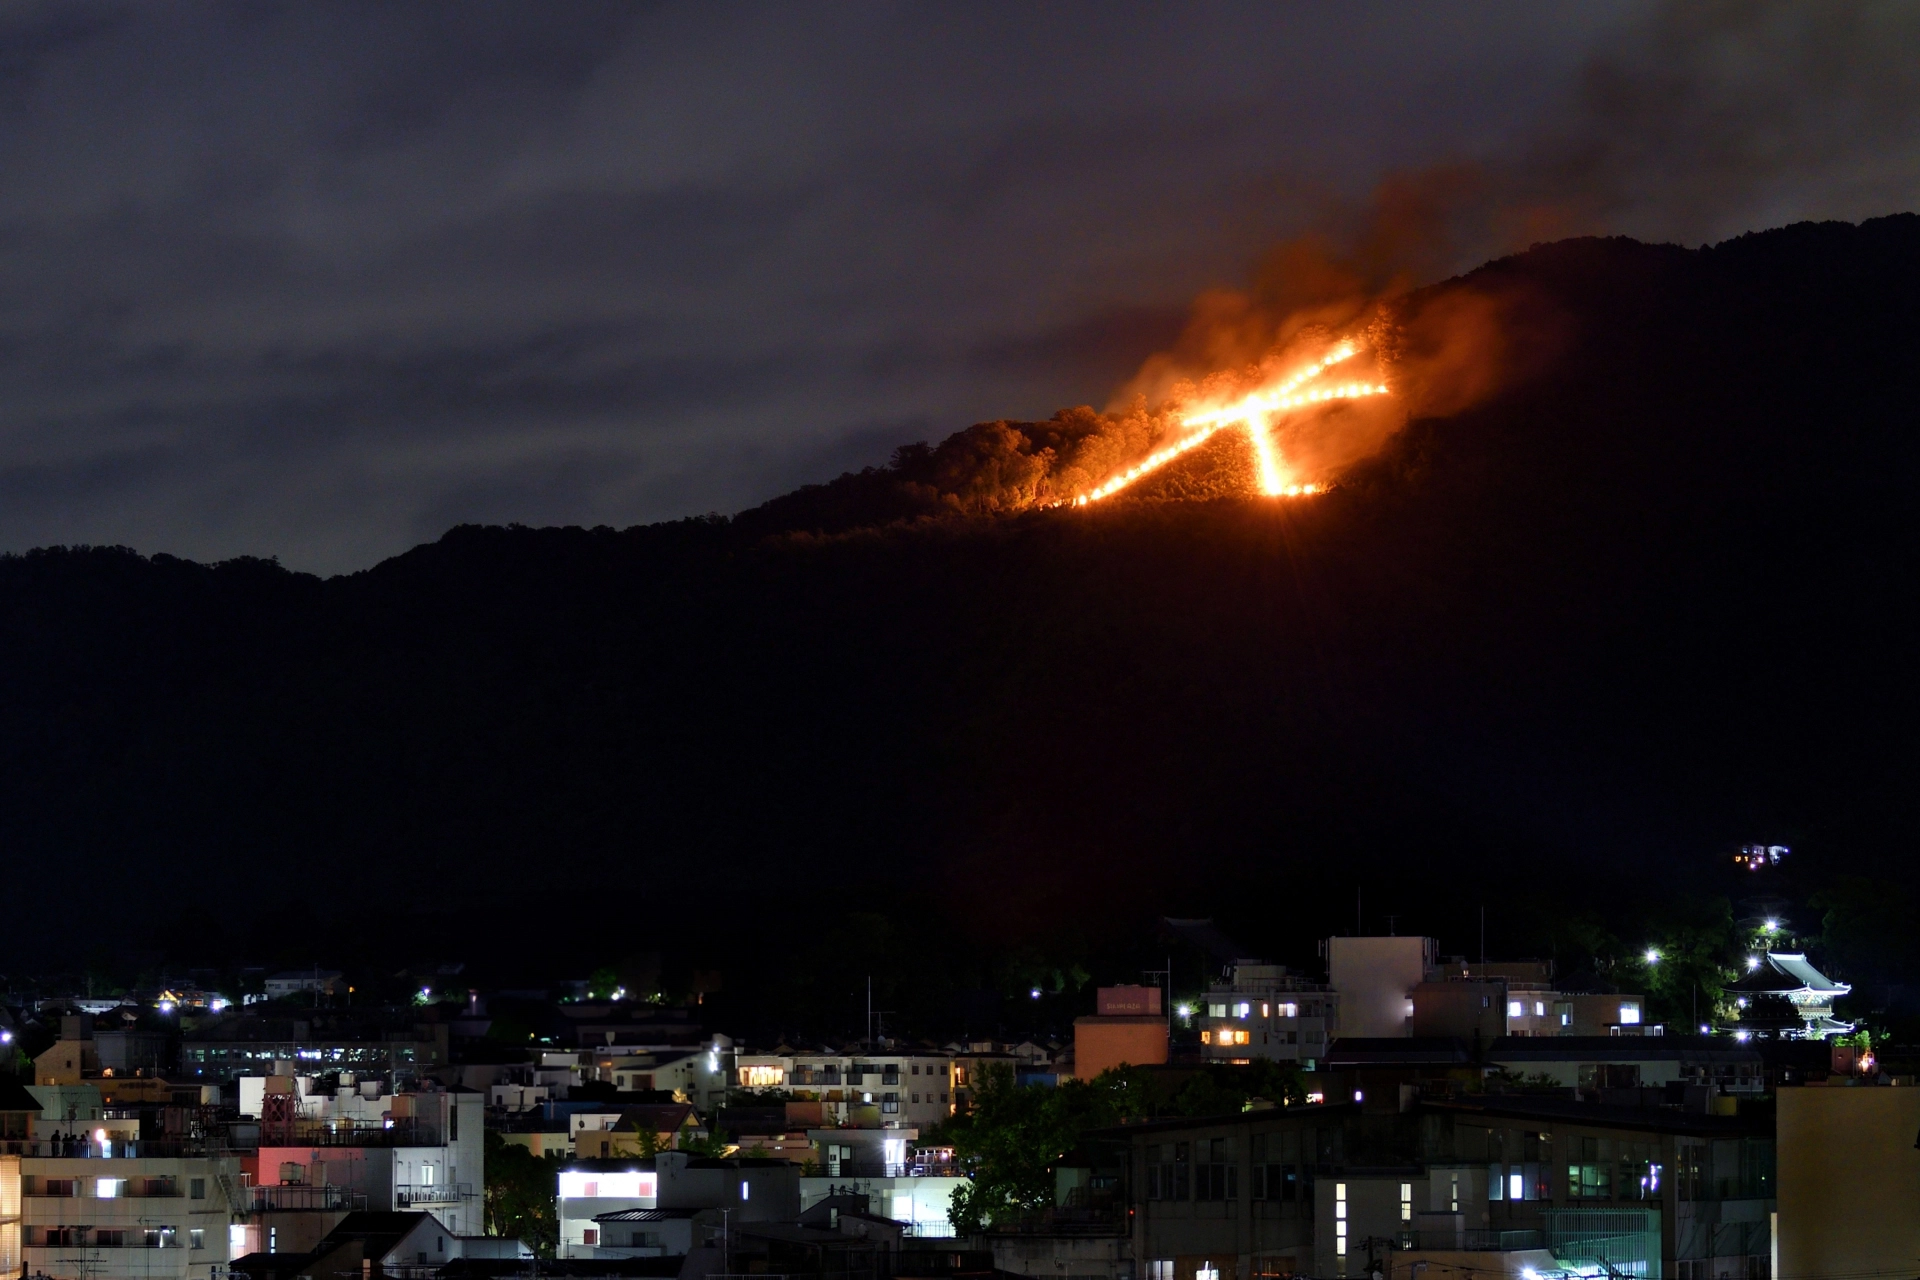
{"x":889,"y":1089}
{"x":1493,"y":1185}
{"x":383,"y":1151}
{"x":1263,"y":1011}
{"x":85,"y":1196}
{"x":644,"y":1207}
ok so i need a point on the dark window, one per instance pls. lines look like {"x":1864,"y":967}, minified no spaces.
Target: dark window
{"x":1168,"y":1170}
{"x":1689,"y":1173}
{"x":1216,"y":1176}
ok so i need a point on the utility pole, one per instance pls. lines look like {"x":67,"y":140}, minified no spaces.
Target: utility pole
{"x":869,"y":1009}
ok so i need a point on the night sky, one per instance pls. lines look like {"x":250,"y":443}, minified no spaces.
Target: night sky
{"x":321,"y":280}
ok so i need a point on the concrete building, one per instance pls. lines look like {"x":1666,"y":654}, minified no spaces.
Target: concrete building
{"x":1262,"y":1011}
{"x":896,"y":1178}
{"x":313,"y":982}
{"x":1621,"y":1068}
{"x":1514,"y":999}
{"x":1849,"y":1180}
{"x":1374,"y":979}
{"x":1128,"y":1028}
{"x":902,"y":1090}
{"x":1341,"y":1189}
{"x":701,"y":1075}
{"x":86,"y":1197}
{"x":597,"y":1200}
{"x":385,"y":1152}
{"x":261,"y":1040}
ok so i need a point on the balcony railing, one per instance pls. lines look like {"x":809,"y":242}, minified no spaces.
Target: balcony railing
{"x":294,"y":1197}
{"x":1477,"y":1240}
{"x":442,"y":1193}
{"x":892,"y":1169}
{"x":401,"y":1133}
{"x":174,"y":1240}
{"x":114,"y":1149}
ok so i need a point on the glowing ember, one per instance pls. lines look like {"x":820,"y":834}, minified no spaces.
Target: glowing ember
{"x":1253,"y":412}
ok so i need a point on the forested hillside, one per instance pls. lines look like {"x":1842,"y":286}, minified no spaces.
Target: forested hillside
{"x":1653,"y":597}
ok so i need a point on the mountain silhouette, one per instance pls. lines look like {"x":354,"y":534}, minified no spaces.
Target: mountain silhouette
{"x":1650,"y":597}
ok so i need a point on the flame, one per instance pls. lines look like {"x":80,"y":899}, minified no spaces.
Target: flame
{"x":1253,"y":412}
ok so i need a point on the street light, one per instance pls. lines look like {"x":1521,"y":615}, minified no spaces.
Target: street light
{"x":1653,"y":957}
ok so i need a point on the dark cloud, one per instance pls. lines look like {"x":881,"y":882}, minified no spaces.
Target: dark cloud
{"x":318,"y":279}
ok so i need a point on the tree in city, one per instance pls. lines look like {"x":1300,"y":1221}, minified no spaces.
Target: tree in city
{"x":520,"y":1194}
{"x":1013,"y":1137}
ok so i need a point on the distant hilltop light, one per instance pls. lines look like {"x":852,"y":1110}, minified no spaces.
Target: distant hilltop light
{"x":1755,"y":856}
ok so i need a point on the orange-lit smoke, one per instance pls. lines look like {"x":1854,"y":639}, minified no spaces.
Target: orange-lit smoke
{"x":1259,"y":358}
{"x":1254,"y":411}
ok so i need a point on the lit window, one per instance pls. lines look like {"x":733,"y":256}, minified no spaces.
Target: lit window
{"x":1266,"y":1010}
{"x":1206,"y":1037}
{"x":1216,"y":1011}
{"x":762,"y":1077}
{"x":1340,"y":1219}
{"x":1289,"y":1010}
{"x":1242,"y":1009}
{"x":743,"y":1188}
{"x":1406,"y":1202}
{"x":1629,"y":1013}
{"x":1539,"y":1008}
{"x":1359,"y":1096}
{"x":1516,"y":1009}
{"x":1516,"y":1186}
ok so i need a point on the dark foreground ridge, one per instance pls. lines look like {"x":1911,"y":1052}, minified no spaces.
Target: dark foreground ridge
{"x":1651,"y":600}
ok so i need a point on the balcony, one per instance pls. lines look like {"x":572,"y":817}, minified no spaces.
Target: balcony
{"x":74,"y":1188}
{"x":109,"y":1239}
{"x":291,"y":1198}
{"x":406,"y":1196}
{"x":913,"y":1167}
{"x":115,"y":1149}
{"x":400,"y":1133}
{"x":1475,"y":1240}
